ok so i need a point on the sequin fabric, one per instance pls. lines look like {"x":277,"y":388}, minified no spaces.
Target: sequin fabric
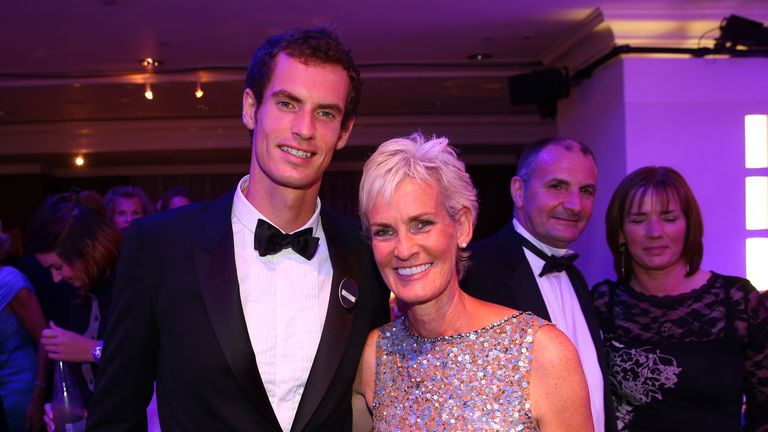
{"x":475,"y":381}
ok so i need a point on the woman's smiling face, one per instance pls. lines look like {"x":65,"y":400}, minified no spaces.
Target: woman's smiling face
{"x":415,"y":242}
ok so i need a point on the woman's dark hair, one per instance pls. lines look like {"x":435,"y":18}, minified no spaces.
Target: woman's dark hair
{"x":76,"y":228}
{"x":665,"y":183}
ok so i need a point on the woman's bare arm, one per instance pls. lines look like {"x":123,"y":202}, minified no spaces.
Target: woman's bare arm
{"x":558,"y":391}
{"x":362,"y":390}
{"x":25,"y":307}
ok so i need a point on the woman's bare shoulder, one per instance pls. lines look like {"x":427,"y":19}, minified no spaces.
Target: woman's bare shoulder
{"x":552,"y":346}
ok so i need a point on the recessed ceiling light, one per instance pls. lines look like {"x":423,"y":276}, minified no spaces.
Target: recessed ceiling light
{"x":480,"y":56}
{"x":149,"y":62}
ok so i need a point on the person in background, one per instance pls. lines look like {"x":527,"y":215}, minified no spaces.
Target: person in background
{"x":686,"y":345}
{"x":528,"y":265}
{"x":23,"y":364}
{"x":175,"y":197}
{"x":452,"y":362}
{"x":54,"y":297}
{"x":126,"y":203}
{"x":72,"y":237}
{"x":252,"y":310}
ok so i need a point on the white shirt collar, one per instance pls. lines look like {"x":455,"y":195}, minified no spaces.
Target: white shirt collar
{"x":249,"y":215}
{"x":544,"y":247}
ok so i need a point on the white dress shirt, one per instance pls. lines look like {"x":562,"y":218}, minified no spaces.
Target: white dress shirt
{"x":565,"y":312}
{"x":285,"y":300}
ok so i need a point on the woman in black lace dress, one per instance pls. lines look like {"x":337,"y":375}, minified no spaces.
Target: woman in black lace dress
{"x":687,"y":346}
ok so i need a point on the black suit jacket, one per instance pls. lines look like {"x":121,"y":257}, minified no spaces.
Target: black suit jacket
{"x":177,"y":319}
{"x":500,"y":273}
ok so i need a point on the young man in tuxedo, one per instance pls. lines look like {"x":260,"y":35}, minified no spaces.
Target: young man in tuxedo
{"x":528,"y":266}
{"x":250,"y":312}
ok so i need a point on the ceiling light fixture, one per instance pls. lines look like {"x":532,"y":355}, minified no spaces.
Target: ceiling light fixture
{"x":149,"y":62}
{"x":199,"y":91}
{"x":148,"y":92}
{"x":480,"y":56}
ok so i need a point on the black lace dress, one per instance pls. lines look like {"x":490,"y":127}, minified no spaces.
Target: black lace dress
{"x":687,"y":362}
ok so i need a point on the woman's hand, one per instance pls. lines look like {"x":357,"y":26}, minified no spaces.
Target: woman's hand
{"x":48,"y":417}
{"x":66,"y":345}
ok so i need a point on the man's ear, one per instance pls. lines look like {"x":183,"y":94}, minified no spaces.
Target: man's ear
{"x":516,"y":190}
{"x":249,"y":109}
{"x":344,"y":133}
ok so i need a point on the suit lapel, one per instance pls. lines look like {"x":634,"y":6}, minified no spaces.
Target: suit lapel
{"x":336,"y":330}
{"x":521,"y":280}
{"x":214,"y":261}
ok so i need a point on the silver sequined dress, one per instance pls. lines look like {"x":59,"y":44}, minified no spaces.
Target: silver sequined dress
{"x":476,"y":381}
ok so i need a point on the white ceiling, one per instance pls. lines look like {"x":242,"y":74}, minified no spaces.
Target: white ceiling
{"x":70,"y":79}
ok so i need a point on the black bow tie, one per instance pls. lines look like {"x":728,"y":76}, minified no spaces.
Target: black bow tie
{"x":269,"y":240}
{"x":552,"y":263}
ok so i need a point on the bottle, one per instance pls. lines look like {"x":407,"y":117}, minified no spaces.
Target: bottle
{"x":68,"y":410}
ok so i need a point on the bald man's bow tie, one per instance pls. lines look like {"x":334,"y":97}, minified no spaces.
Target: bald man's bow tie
{"x":552,"y":263}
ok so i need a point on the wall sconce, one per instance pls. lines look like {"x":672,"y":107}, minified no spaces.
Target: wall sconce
{"x":148,"y":92}
{"x":199,"y":91}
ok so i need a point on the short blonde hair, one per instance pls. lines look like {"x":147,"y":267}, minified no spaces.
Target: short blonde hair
{"x":431,"y":161}
{"x":110,"y":200}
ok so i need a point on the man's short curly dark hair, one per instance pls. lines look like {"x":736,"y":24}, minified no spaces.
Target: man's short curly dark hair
{"x":317,"y":45}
